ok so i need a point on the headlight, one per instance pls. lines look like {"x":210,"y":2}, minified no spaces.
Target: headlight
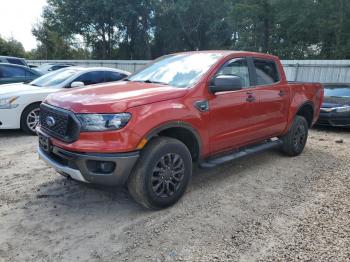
{"x":103,"y":122}
{"x":343,"y":109}
{"x":8,"y":102}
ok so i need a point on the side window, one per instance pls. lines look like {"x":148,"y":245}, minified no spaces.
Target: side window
{"x":91,"y":78}
{"x":266,"y":72}
{"x":237,"y":67}
{"x":113,"y":76}
{"x":15,"y":61}
{"x":9,"y":71}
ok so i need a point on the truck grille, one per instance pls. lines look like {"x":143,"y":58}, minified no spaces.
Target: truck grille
{"x":59,"y":123}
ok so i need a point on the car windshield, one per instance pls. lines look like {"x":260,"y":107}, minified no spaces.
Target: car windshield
{"x":179,"y":70}
{"x":54,"y":78}
{"x":337,"y":91}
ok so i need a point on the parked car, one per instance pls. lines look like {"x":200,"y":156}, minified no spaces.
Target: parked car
{"x":49,"y":67}
{"x":20,"y":103}
{"x":335,"y":110}
{"x":10,"y":73}
{"x":207,"y":107}
{"x":13,"y":60}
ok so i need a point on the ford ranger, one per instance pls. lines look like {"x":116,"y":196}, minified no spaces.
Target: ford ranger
{"x":146,"y":132}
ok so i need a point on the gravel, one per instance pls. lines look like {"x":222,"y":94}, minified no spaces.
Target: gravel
{"x":265,"y":207}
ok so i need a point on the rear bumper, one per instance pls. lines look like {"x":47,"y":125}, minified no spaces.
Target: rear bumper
{"x":334,"y":119}
{"x":84,"y":167}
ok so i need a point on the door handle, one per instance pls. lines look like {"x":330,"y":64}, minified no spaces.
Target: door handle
{"x":281,"y":93}
{"x":250,"y":98}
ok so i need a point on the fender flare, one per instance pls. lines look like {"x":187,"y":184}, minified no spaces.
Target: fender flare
{"x":174,"y":124}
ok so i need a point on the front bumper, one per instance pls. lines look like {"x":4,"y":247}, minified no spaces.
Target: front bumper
{"x":334,"y":119}
{"x":10,"y":118}
{"x":80,"y":166}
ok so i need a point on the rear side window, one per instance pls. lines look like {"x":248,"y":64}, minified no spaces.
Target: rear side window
{"x":266,"y":72}
{"x":113,"y":76}
{"x":91,"y":78}
{"x":15,"y":61}
{"x":9,"y":71}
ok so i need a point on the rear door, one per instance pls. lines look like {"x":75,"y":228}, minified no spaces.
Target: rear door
{"x":273,"y":107}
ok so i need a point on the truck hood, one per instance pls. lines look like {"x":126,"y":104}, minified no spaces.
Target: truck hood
{"x":113,"y":97}
{"x":20,"y":89}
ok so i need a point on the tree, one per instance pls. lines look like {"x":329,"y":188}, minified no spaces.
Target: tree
{"x":146,"y":29}
{"x":11,"y":47}
{"x":181,"y":25}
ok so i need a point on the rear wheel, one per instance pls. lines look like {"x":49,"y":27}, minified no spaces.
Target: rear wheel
{"x":162,"y":173}
{"x":30,"y":118}
{"x":294,"y":141}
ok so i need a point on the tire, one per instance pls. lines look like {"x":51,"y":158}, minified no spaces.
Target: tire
{"x":153,"y":185}
{"x":294,"y":141}
{"x":28,"y":120}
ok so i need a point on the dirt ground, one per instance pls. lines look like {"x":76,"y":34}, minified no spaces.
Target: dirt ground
{"x":265,"y":207}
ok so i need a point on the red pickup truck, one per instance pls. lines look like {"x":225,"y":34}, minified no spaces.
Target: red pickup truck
{"x":204,"y":107}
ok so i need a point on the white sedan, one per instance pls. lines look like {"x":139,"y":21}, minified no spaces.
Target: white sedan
{"x":20,"y":103}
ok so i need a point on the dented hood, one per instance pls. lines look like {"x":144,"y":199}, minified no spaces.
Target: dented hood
{"x":113,"y":97}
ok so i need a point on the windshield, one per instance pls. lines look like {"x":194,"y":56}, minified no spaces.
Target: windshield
{"x":54,"y":78}
{"x":337,"y":91}
{"x":179,"y":70}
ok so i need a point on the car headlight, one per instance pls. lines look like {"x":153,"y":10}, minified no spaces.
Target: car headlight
{"x":8,"y":102}
{"x":343,"y":109}
{"x":103,"y":122}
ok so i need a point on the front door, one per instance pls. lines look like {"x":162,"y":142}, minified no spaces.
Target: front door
{"x":232,"y":113}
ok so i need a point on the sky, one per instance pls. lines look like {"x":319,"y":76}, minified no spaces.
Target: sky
{"x":17,"y":18}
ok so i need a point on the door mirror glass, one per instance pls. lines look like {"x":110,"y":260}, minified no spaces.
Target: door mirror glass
{"x":77,"y":84}
{"x":222,"y":83}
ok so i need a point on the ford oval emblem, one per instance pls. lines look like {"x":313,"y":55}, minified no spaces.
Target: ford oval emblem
{"x":50,"y":121}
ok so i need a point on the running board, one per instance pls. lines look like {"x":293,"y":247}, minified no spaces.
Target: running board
{"x":241,"y":153}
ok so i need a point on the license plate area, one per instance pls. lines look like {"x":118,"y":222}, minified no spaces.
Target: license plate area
{"x":44,"y":143}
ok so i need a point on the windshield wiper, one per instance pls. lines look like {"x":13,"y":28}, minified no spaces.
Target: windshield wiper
{"x":154,"y":82}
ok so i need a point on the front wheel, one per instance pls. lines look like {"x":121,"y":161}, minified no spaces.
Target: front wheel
{"x":294,"y":141}
{"x":30,"y":118}
{"x":161,"y":174}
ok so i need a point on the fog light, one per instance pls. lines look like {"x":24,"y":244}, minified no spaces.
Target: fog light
{"x":104,"y":167}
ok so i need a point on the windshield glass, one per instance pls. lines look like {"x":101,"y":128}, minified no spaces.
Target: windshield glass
{"x":54,"y":78}
{"x":179,"y":70}
{"x":337,"y":91}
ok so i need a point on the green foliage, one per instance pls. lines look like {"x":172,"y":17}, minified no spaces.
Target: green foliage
{"x":11,"y":47}
{"x":146,"y":29}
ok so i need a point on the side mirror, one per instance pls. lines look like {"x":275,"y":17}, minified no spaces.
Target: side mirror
{"x":77,"y":84}
{"x":224,"y":83}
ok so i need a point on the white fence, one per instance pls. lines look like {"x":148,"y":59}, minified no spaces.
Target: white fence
{"x":324,"y":71}
{"x":127,"y":65}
